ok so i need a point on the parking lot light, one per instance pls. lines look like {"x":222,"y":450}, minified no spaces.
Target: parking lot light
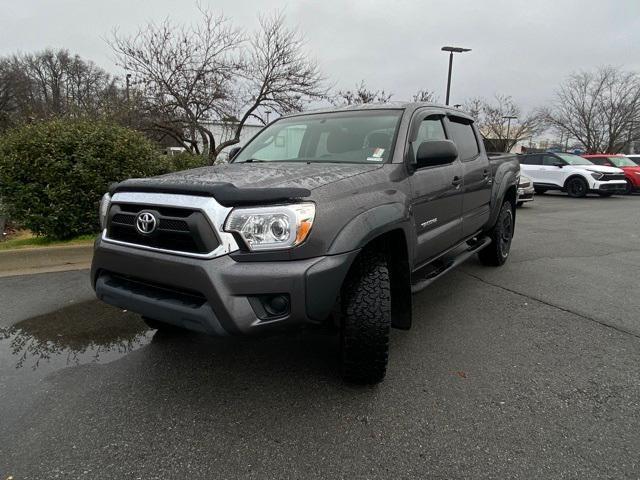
{"x":451,"y":51}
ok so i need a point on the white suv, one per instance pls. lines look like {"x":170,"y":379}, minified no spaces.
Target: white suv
{"x":572,"y":174}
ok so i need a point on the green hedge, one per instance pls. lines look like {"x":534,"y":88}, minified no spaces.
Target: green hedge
{"x":53,"y":174}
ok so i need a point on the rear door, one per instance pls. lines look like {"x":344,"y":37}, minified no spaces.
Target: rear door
{"x":530,"y":165}
{"x":436,"y":193}
{"x":476,"y":174}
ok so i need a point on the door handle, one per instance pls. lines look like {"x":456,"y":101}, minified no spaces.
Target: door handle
{"x":456,"y":182}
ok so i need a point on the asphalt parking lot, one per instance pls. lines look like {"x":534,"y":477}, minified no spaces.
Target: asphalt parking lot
{"x":527,"y":371}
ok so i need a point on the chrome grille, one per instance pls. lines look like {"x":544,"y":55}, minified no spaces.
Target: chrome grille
{"x":180,"y":230}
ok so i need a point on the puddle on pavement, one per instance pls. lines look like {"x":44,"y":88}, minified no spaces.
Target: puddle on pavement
{"x":88,"y":332}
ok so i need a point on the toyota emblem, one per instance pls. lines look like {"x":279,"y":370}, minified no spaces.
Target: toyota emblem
{"x":146,"y":223}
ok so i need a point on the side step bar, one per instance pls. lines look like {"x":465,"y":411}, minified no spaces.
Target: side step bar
{"x":449,"y":264}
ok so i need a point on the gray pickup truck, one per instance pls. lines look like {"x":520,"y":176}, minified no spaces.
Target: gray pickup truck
{"x":333,"y":217}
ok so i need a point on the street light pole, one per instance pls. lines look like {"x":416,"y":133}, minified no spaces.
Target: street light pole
{"x":128,"y":77}
{"x":451,"y":51}
{"x":508,"y":118}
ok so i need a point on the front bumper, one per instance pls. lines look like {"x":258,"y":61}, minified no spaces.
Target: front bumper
{"x":218,"y":296}
{"x":615,"y":186}
{"x":525,"y":194}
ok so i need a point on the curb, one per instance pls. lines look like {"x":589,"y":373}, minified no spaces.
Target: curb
{"x":25,"y":261}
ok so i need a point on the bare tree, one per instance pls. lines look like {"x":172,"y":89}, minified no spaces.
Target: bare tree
{"x":492,"y":118}
{"x":192,"y":77}
{"x":54,"y":83}
{"x":425,"y":96}
{"x":184,"y":74}
{"x":277,"y":76}
{"x":359,"y":95}
{"x":599,"y":108}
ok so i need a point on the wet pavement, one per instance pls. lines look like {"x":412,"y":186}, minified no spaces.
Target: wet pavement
{"x":528,"y":371}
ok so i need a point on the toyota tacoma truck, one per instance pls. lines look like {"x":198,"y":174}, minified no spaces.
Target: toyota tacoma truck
{"x":333,"y":217}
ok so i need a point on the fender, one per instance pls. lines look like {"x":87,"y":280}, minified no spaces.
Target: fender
{"x":503,"y":184}
{"x":574,"y":175}
{"x":370,"y":224}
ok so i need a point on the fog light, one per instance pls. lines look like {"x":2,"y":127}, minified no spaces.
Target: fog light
{"x":276,"y":305}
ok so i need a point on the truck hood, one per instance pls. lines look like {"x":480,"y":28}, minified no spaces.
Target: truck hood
{"x":265,"y":175}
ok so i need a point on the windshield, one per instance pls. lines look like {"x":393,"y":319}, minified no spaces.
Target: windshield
{"x":622,"y":162}
{"x":338,"y":137}
{"x":574,"y":159}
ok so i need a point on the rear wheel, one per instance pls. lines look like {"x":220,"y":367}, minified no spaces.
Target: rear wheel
{"x":577,"y":187}
{"x":366,"y":319}
{"x":501,"y":235}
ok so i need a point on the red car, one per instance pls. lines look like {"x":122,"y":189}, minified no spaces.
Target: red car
{"x":631,"y":169}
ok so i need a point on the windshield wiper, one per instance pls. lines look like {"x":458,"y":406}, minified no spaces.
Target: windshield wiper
{"x":253,"y":160}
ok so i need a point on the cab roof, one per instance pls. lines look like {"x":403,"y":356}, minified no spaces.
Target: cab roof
{"x":396,"y":105}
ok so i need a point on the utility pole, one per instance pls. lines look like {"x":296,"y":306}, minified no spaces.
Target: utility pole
{"x":128,"y":77}
{"x":508,"y":118}
{"x":451,"y":51}
{"x":128,"y":82}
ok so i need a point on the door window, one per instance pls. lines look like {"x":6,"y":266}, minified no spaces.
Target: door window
{"x":464,"y":137}
{"x":431,"y":128}
{"x":550,"y":160}
{"x":531,"y":160}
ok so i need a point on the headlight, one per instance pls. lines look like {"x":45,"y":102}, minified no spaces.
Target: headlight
{"x":104,"y":209}
{"x":597,"y":175}
{"x":274,"y":227}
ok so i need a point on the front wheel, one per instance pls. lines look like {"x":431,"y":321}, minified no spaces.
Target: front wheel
{"x":366,"y":319}
{"x":497,"y":252}
{"x":577,"y":187}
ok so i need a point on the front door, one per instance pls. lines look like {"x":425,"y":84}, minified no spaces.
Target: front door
{"x":550,"y":173}
{"x":437,"y":197}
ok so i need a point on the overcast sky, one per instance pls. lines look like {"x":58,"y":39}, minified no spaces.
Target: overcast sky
{"x":520,"y":48}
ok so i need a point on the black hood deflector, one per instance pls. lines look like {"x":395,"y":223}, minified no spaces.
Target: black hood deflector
{"x":225,"y":193}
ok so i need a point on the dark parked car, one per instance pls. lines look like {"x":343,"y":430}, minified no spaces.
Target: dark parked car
{"x":334,"y":216}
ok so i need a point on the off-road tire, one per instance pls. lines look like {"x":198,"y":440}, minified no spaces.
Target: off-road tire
{"x":161,"y":326}
{"x":366,"y":319}
{"x":577,"y":187}
{"x":497,"y":252}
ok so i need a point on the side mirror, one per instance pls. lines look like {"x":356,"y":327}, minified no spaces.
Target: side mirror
{"x":233,"y":152}
{"x":436,"y":152}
